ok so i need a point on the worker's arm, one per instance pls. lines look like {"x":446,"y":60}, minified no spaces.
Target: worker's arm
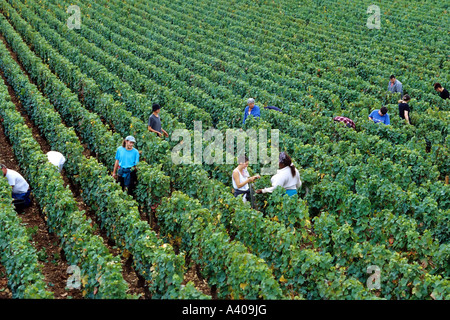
{"x":407,"y":117}
{"x":269,"y":189}
{"x":153,"y":130}
{"x":116,"y":165}
{"x":238,"y":183}
{"x":299,"y":183}
{"x":276,"y":181}
{"x":136,"y":161}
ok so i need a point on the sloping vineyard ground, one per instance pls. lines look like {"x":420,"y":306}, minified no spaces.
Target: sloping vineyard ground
{"x":371,"y":220}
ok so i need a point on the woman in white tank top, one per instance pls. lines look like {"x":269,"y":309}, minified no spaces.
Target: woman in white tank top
{"x":241,"y":178}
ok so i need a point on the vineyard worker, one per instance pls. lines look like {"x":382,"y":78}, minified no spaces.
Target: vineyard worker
{"x":380,"y":116}
{"x":20,"y":187}
{"x":443,"y":93}
{"x":273,"y":108}
{"x":154,"y":121}
{"x":287,"y":176}
{"x":127,"y":157}
{"x":56,"y":158}
{"x":395,"y":85}
{"x":348,"y":122}
{"x":241,"y":178}
{"x":251,"y":109}
{"x":404,"y":109}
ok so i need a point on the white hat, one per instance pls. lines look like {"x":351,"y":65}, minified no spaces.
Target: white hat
{"x":131,"y":138}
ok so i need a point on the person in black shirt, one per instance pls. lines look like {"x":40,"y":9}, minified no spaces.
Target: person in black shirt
{"x":404,"y":109}
{"x":442,"y":91}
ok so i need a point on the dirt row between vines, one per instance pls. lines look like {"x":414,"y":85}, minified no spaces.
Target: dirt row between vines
{"x":136,"y":282}
{"x":55,"y":266}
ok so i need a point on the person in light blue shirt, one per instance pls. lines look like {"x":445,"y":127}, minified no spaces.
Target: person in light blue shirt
{"x":127,"y":157}
{"x":380,"y":116}
{"x":251,"y":109}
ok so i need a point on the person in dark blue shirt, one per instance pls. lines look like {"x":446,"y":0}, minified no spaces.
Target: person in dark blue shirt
{"x":251,"y":109}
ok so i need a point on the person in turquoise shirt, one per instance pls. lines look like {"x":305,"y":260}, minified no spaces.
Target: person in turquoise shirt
{"x":380,"y":116}
{"x":127,"y":157}
{"x":251,"y":109}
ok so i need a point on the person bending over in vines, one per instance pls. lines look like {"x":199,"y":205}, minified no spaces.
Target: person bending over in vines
{"x":20,"y":189}
{"x":443,"y":93}
{"x":380,"y":116}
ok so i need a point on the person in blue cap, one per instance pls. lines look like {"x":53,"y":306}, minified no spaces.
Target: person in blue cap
{"x":251,"y":109}
{"x":127,"y":157}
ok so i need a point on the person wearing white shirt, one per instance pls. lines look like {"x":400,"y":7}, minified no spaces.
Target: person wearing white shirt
{"x":57,"y":159}
{"x":20,"y":187}
{"x":241,"y":178}
{"x":287,"y":177}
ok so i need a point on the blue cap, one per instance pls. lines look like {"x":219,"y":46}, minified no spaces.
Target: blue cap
{"x":131,"y":138}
